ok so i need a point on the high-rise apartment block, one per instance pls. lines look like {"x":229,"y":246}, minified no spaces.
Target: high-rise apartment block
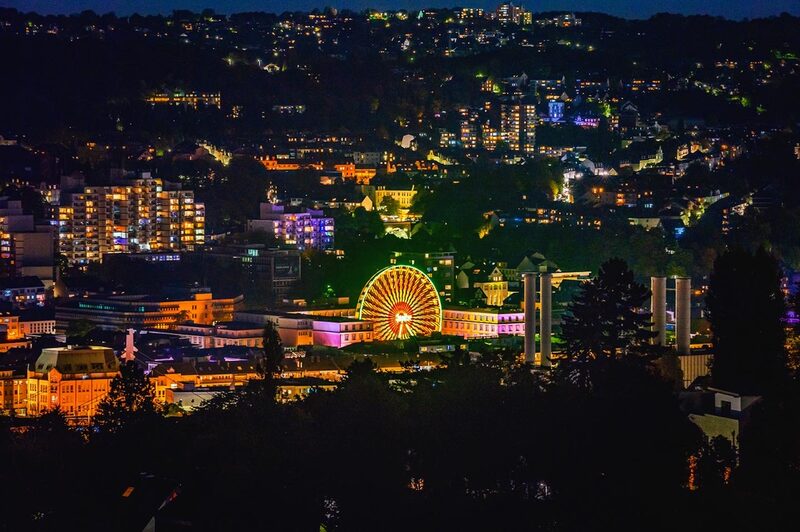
{"x":518,"y":125}
{"x":297,"y":227}
{"x":143,"y":215}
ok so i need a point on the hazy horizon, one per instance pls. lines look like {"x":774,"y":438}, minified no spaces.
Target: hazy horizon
{"x":732,"y":9}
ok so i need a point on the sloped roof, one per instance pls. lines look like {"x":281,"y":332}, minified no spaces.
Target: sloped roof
{"x":72,"y":360}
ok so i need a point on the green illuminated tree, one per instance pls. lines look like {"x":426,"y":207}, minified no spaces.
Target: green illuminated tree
{"x":390,"y":205}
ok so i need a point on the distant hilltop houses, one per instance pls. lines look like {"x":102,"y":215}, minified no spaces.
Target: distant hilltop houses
{"x":191,"y":99}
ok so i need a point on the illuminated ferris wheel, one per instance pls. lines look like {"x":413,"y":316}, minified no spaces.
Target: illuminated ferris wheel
{"x":401,"y":302}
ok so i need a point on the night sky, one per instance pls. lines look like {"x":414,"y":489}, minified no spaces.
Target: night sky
{"x":627,"y":8}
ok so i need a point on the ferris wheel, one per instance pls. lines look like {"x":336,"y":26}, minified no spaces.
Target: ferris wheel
{"x":400,"y":301}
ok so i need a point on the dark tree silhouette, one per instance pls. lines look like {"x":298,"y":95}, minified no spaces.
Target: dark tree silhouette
{"x":715,"y":463}
{"x":604,"y":322}
{"x":745,"y":306}
{"x":79,"y":330}
{"x":131,"y":399}
{"x":273,"y":351}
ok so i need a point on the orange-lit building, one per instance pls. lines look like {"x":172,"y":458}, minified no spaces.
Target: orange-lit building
{"x":280,"y":165}
{"x":190,"y":376}
{"x":13,"y":392}
{"x":362,"y":175}
{"x":142,"y":312}
{"x":188,"y":99}
{"x":10,"y":325}
{"x":75,"y":379}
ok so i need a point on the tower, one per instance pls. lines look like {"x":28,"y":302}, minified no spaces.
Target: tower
{"x":529,"y":287}
{"x":658,"y":307}
{"x":683,"y":315}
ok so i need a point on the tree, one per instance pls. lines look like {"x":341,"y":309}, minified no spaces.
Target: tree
{"x":604,"y":322}
{"x":390,"y":205}
{"x":78,"y":330}
{"x":273,"y":351}
{"x":715,"y":463}
{"x":131,"y":399}
{"x":745,"y":307}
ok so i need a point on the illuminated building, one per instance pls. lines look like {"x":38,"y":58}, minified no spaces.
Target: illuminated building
{"x":279,"y":270}
{"x":470,"y":13}
{"x":491,"y":137}
{"x":222,"y":334}
{"x":144,"y":215}
{"x":143,"y":312}
{"x":361,"y":174}
{"x":329,"y":329}
{"x":446,"y":138}
{"x":440,"y":267}
{"x":75,"y":379}
{"x":22,"y":292}
{"x":295,"y":329}
{"x":289,"y":109}
{"x":198,"y":375}
{"x":302,"y":229}
{"x":280,"y":166}
{"x":482,"y":322}
{"x":187,"y":99}
{"x":589,"y":122}
{"x":509,"y":13}
{"x":402,"y":302}
{"x":13,"y":393}
{"x":11,"y":335}
{"x":403,"y":197}
{"x":518,"y":125}
{"x":189,"y":384}
{"x":371,"y":158}
{"x":489,"y":280}
{"x":555,"y":111}
{"x":469,"y":134}
{"x":341,"y":331}
{"x":9,"y":324}
{"x":25,"y":248}
{"x":33,"y":325}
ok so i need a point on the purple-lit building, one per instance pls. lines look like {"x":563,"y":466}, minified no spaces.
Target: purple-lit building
{"x":298,"y":227}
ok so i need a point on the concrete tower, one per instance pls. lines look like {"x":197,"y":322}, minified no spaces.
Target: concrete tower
{"x":546,"y":286}
{"x":683,"y":314}
{"x":658,"y":307}
{"x":529,"y":280}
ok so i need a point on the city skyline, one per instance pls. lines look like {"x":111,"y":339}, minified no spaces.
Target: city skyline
{"x":508,"y":267}
{"x":734,"y":10}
